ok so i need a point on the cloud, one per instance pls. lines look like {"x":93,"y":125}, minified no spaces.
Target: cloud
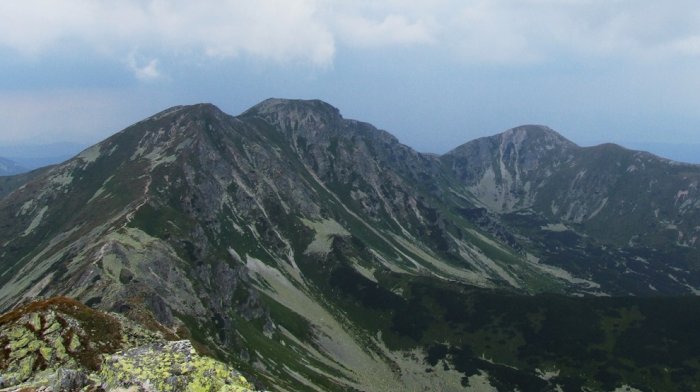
{"x":311,"y":31}
{"x":279,"y":30}
{"x":541,"y":30}
{"x":392,"y":30}
{"x":689,"y":45}
{"x":145,"y":72}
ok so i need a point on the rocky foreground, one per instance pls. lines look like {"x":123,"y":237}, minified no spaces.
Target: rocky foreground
{"x":62,"y":345}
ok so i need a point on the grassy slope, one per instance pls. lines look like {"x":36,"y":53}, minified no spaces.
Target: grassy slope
{"x":601,"y":343}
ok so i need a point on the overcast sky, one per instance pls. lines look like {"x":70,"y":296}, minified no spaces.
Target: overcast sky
{"x":435,"y":73}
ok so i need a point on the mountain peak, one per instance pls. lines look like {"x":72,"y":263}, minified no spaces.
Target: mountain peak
{"x":271,"y":105}
{"x":204,"y":107}
{"x":292,"y":113}
{"x":536,"y":133}
{"x":526,"y":138}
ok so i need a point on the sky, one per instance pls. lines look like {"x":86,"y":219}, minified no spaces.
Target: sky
{"x":435,"y":73}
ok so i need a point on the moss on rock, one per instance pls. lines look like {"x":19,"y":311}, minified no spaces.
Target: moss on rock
{"x":170,"y":366}
{"x":60,"y":344}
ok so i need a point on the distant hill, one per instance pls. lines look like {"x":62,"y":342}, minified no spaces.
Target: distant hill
{"x":10,"y":167}
{"x":35,"y":156}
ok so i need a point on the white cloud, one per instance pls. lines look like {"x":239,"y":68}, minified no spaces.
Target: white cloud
{"x":392,"y":30}
{"x":535,"y":30}
{"x":310,"y":31}
{"x":688,"y":45}
{"x":143,"y":71}
{"x":280,"y":30}
{"x":527,"y":31}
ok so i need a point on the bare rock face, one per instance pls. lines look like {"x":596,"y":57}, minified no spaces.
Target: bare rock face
{"x":533,"y":167}
{"x":70,"y":380}
{"x":507,"y":171}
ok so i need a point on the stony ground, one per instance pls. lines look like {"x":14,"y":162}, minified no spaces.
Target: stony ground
{"x":62,"y":345}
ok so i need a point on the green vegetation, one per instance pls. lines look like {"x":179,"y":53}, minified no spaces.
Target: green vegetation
{"x":601,"y":343}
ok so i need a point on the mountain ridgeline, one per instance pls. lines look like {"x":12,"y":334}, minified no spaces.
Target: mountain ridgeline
{"x":9,"y":167}
{"x":318,"y":253}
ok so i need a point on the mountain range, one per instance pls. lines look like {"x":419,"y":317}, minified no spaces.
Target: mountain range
{"x":315,"y":252}
{"x":34,"y":156}
{"x":9,"y":167}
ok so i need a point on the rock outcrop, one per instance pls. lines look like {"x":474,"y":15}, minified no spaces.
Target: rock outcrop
{"x":61,"y":345}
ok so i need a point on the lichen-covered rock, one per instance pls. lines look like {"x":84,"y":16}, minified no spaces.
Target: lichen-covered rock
{"x":169,"y":366}
{"x":59,"y":339}
{"x":31,"y":343}
{"x":61,"y":345}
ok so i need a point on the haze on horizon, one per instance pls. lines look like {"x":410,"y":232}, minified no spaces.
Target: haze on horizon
{"x":435,"y":73}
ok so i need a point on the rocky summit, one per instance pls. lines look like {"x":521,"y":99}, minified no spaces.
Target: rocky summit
{"x":313,"y":252}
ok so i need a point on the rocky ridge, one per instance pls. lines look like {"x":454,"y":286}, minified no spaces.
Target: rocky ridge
{"x":318,"y":252}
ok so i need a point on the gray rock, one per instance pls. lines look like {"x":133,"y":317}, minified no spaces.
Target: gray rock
{"x":69,"y":380}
